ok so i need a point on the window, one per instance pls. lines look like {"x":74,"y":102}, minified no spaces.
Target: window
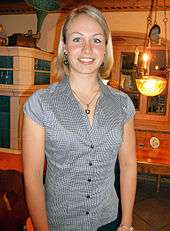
{"x":42,"y":71}
{"x":6,"y":70}
{"x":4,"y":121}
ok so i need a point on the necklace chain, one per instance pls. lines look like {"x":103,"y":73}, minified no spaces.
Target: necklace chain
{"x":87,"y":110}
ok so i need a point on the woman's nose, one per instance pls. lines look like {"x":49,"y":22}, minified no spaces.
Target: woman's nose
{"x":87,"y":47}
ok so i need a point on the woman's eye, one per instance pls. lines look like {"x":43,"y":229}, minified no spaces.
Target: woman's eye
{"x":96,"y":40}
{"x":76,"y":40}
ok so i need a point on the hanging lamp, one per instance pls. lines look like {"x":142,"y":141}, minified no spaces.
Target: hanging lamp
{"x":43,"y":7}
{"x":151,"y":85}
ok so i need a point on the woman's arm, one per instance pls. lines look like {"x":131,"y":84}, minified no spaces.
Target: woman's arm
{"x":33,"y":164}
{"x":128,"y":172}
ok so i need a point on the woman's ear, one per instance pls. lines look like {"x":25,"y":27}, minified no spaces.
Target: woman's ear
{"x":64,"y":48}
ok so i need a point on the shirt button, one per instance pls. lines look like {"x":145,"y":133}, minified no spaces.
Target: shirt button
{"x":92,"y":146}
{"x":90,"y":163}
{"x":88,"y":196}
{"x":89,"y":180}
{"x":87,"y":213}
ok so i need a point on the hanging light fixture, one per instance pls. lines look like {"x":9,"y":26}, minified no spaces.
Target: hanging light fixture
{"x":43,"y":7}
{"x":151,"y":85}
{"x":147,"y":84}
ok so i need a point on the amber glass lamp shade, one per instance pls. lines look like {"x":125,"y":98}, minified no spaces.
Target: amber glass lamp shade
{"x":151,"y":85}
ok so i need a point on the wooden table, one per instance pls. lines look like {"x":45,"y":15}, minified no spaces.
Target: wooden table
{"x":10,"y":161}
{"x":154,"y":161}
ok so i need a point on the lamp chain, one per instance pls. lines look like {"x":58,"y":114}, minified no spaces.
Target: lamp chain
{"x":165,"y":20}
{"x":156,"y":10}
{"x":152,"y":85}
{"x":149,"y":23}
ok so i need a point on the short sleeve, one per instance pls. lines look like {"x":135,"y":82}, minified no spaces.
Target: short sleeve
{"x":128,"y":108}
{"x":33,"y":108}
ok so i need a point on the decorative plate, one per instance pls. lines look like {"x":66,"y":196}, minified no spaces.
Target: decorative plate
{"x":154,"y":142}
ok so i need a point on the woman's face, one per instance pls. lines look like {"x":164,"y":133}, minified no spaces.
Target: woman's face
{"x":85,"y":45}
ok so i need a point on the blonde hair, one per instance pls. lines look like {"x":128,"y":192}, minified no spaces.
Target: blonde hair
{"x":106,"y":67}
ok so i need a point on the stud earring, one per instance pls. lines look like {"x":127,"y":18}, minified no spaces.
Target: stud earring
{"x":65,"y":60}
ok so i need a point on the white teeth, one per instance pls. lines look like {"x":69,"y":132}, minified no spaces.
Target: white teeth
{"x":86,"y":59}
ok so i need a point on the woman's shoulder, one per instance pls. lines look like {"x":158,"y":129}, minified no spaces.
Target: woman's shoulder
{"x":122,"y":99}
{"x":43,"y":94}
{"x":117,"y":93}
{"x":48,"y":93}
{"x":53,"y":87}
{"x":34,"y":107}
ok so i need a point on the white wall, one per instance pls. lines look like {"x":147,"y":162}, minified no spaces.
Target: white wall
{"x":118,"y":21}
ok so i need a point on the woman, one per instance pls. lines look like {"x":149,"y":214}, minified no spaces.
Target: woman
{"x":80,"y":125}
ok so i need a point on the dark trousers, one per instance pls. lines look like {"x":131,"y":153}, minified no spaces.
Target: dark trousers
{"x":110,"y":227}
{"x":117,"y":188}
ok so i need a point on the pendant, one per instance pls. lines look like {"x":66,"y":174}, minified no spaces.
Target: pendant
{"x":87,"y":111}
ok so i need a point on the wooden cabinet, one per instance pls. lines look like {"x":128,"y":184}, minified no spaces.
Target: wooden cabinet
{"x":151,"y":112}
{"x":152,"y":119}
{"x":22,"y":71}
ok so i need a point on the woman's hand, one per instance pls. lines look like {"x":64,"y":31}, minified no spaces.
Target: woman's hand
{"x":125,"y":228}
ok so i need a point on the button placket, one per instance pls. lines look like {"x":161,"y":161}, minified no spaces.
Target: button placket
{"x":92,"y":149}
{"x":90,"y":163}
{"x":92,"y":146}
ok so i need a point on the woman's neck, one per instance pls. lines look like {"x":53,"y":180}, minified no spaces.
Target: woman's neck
{"x":84,"y":83}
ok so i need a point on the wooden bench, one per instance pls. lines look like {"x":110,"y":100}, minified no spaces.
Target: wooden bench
{"x":154,"y":161}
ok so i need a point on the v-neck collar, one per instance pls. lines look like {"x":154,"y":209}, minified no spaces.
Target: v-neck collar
{"x":72,"y":117}
{"x":84,"y":115}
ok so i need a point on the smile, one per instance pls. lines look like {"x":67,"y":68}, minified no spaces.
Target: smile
{"x":86,"y":60}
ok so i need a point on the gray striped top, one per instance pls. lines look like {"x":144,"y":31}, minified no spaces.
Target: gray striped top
{"x":79,"y":183}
